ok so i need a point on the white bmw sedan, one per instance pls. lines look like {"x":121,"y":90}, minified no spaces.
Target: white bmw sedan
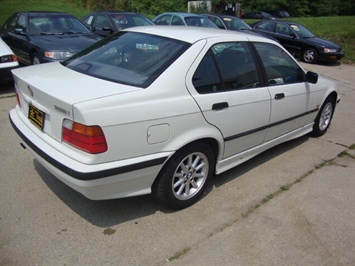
{"x":160,"y":110}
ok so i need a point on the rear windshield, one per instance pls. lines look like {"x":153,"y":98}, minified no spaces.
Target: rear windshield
{"x":129,"y":58}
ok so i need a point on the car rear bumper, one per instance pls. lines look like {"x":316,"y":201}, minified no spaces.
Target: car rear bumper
{"x":5,"y":73}
{"x":131,"y":177}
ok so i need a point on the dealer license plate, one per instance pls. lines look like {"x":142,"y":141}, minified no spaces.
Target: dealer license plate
{"x":36,"y":116}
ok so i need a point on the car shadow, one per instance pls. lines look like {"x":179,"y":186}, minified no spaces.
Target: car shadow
{"x":7,"y":87}
{"x":107,"y":213}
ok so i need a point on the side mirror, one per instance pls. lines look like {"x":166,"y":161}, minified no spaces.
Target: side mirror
{"x":19,"y":31}
{"x":293,"y":35}
{"x":311,"y":77}
{"x":108,"y":29}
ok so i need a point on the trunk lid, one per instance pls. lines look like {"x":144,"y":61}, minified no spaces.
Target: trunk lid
{"x":51,"y":90}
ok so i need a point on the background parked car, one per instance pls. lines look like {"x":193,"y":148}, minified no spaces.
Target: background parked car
{"x":105,"y":23}
{"x":258,"y":15}
{"x":8,"y":61}
{"x":183,"y":19}
{"x":39,"y":37}
{"x":300,"y":41}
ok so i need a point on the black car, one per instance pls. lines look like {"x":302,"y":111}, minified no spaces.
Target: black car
{"x":233,"y":23}
{"x":299,"y":41}
{"x":258,"y":15}
{"x":105,"y":23}
{"x":40,"y":37}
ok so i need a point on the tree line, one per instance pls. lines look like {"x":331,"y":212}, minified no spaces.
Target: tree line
{"x":297,"y":8}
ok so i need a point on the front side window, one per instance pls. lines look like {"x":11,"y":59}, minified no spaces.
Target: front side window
{"x":11,"y":23}
{"x":21,"y":23}
{"x":226,"y":67}
{"x":164,"y":20}
{"x":129,"y":58}
{"x":102,"y":22}
{"x":177,"y":21}
{"x":266,"y":26}
{"x":279,"y":66}
{"x":283,"y":29}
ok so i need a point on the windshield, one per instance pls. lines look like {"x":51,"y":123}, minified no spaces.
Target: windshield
{"x":123,"y":21}
{"x":301,"y":31}
{"x":129,"y":58}
{"x":55,"y":24}
{"x":200,"y":22}
{"x":236,"y":24}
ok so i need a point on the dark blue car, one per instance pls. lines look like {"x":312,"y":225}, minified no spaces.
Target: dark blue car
{"x":299,"y":41}
{"x":40,"y":37}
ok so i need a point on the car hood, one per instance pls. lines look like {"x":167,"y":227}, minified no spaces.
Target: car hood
{"x":321,"y":42}
{"x":67,"y":42}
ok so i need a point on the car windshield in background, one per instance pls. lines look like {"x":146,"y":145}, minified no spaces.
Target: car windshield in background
{"x":301,"y":31}
{"x":43,"y":25}
{"x":129,"y":58}
{"x":236,"y":24}
{"x":199,"y":22}
{"x":124,"y":21}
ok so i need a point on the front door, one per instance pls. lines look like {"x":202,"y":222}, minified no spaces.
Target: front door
{"x":293,"y":104}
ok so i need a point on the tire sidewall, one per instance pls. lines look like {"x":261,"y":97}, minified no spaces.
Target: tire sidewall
{"x":162,"y":187}
{"x":314,"y":51}
{"x":317,"y":131}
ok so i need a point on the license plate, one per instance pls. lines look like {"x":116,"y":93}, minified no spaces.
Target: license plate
{"x":36,"y":116}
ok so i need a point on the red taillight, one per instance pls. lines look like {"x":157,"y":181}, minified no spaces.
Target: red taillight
{"x":90,"y":139}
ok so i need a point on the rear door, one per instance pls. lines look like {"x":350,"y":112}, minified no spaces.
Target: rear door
{"x":226,"y":84}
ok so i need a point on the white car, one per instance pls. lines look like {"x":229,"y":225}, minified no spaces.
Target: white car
{"x":162,"y":109}
{"x":8,"y":61}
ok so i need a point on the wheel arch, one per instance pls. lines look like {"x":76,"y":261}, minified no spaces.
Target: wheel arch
{"x":32,"y":52}
{"x":211,"y":142}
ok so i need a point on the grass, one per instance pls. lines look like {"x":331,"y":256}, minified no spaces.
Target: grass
{"x":340,"y":30}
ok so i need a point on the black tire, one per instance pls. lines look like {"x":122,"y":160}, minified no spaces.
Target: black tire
{"x":310,"y":55}
{"x":35,"y":59}
{"x":324,"y":117}
{"x":185,"y":176}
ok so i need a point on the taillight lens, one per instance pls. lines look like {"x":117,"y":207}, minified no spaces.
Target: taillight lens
{"x":90,"y":139}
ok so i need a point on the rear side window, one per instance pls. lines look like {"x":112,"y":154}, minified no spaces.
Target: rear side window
{"x":226,"y":67}
{"x":279,"y":66}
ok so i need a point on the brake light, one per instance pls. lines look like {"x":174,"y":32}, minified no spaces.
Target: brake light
{"x":90,"y":139}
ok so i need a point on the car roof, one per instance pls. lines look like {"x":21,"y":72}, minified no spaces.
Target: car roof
{"x":193,"y":34}
{"x":113,"y":12}
{"x":181,"y":14}
{"x":221,"y":16}
{"x":43,"y":13}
